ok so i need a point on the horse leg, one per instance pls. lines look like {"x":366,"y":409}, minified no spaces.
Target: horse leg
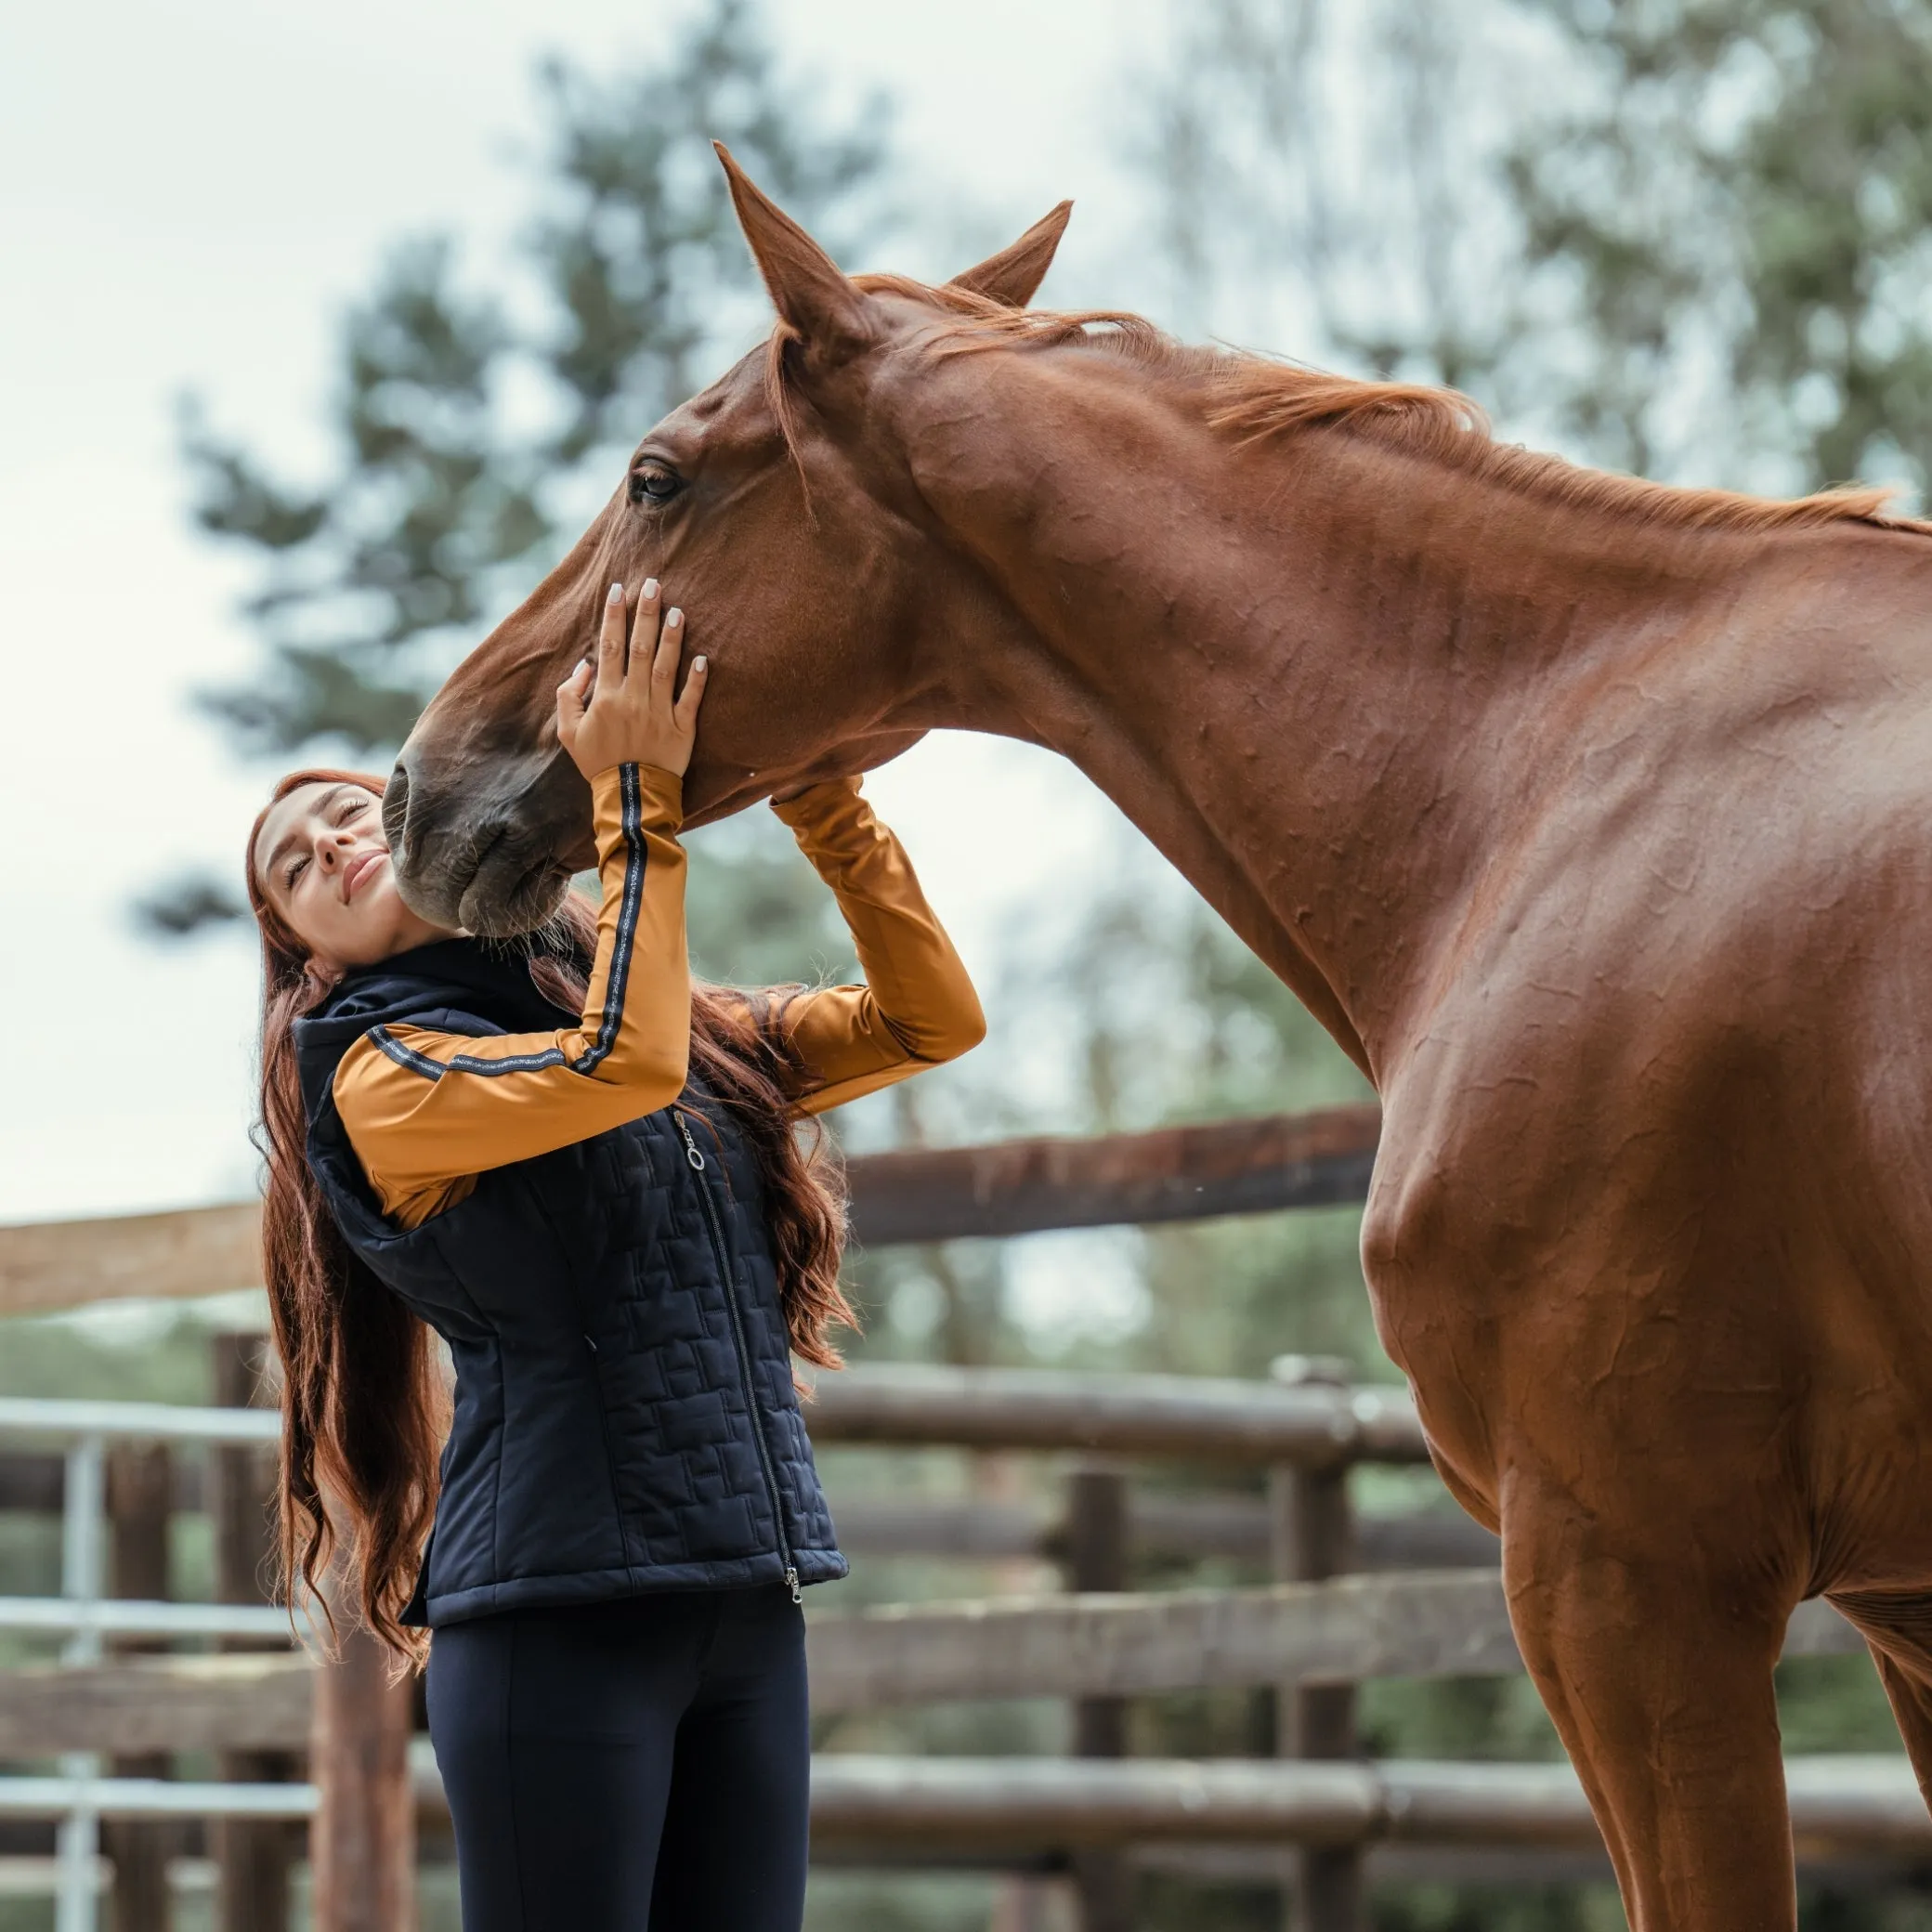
{"x":1658,"y":1676}
{"x":1896,"y":1627}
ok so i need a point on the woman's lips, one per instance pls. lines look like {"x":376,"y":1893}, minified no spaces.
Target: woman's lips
{"x":358,"y":870}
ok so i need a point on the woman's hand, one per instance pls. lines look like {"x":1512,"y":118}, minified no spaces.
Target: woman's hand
{"x":621,"y":711}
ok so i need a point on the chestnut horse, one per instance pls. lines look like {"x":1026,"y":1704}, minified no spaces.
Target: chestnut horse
{"x":1589,"y":815}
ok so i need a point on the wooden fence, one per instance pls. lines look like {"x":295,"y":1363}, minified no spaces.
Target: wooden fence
{"x":1354,"y":1597}
{"x":1011,"y":1187}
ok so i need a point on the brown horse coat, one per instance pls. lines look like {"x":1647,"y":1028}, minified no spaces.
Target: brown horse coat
{"x":1589,"y":816}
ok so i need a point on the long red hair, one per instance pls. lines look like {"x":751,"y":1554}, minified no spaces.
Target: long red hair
{"x":364,"y":1404}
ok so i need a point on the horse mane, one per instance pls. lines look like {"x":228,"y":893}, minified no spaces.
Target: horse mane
{"x":1256,"y":398}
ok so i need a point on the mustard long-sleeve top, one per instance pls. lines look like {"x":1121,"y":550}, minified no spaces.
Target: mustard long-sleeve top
{"x":427,"y":1112}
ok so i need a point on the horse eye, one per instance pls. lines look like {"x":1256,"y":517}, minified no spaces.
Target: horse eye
{"x":652,"y":483}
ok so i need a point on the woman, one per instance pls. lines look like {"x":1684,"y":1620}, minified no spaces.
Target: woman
{"x":584,"y":1173}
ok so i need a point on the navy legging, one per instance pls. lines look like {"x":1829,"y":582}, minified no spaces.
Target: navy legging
{"x":641,"y":1763}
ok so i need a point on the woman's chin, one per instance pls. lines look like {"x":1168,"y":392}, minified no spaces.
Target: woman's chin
{"x":382,"y":925}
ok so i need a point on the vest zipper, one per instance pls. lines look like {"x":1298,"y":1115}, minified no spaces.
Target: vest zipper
{"x":729,"y":1282}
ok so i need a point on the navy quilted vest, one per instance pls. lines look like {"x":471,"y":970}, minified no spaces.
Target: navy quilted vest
{"x":625,"y":1418}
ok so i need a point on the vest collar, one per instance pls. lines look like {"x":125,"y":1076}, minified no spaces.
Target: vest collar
{"x":469,"y":975}
{"x":477,"y":966}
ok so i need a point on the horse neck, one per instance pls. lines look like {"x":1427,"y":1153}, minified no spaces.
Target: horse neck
{"x":1325,"y":678}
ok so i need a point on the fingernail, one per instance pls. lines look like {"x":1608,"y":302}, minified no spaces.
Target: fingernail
{"x":673,"y":616}
{"x":699,"y":664}
{"x":616,"y":594}
{"x":650,"y":587}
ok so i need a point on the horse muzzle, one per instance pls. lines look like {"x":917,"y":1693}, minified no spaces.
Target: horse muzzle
{"x":491,"y":851}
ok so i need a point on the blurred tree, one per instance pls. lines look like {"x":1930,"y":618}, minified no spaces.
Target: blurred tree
{"x":476,"y":436}
{"x":1735,"y":209}
{"x":640,"y":248}
{"x":1321,"y":178}
{"x":1685,"y":238}
{"x":406,"y":541}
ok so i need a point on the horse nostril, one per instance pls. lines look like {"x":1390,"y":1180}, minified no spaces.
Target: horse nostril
{"x":396,"y":812}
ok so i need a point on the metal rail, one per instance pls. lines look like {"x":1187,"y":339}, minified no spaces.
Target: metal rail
{"x":116,"y":1616}
{"x":153,"y":1798}
{"x":56,"y":1418}
{"x":80,"y":1796}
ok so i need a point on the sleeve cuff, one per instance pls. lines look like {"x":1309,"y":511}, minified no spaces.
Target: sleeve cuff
{"x":817,"y":802}
{"x":660,"y":794}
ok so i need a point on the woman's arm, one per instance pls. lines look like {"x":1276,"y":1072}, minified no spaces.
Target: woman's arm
{"x":917,"y":1007}
{"x":425,"y":1111}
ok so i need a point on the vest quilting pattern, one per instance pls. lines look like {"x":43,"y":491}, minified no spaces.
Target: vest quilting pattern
{"x":625,"y":1418}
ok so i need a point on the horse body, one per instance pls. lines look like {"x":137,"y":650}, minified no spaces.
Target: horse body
{"x":1650,"y":1225}
{"x":1589,"y":819}
{"x":1666,"y":1096}
{"x":1619,"y":876}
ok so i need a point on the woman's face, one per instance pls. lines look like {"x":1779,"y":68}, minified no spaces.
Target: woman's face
{"x":322,"y":862}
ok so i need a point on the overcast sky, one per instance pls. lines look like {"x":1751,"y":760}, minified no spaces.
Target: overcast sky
{"x":188,"y":195}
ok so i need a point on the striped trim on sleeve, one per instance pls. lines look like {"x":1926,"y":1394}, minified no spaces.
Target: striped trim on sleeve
{"x":611,"y":1019}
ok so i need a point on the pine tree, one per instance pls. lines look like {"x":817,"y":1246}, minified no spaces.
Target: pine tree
{"x":433,"y":505}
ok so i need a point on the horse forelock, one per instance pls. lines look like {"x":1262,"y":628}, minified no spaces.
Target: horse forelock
{"x":1255,"y":398}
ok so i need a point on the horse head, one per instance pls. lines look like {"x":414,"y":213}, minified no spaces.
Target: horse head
{"x":795,"y":540}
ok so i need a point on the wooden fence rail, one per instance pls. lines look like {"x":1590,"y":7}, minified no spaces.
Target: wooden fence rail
{"x":1840,"y":1807}
{"x":1023,"y":1811}
{"x":45,"y":1266}
{"x":1188,"y":1525}
{"x":1009,"y":1187}
{"x":260,"y":1702}
{"x":1444,"y":1625}
{"x":1451,"y":1624}
{"x":1193,"y":1417}
{"x":1177,"y":1173}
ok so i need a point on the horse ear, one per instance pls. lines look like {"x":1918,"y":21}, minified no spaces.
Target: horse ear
{"x":1014,"y":275}
{"x":832,"y":313}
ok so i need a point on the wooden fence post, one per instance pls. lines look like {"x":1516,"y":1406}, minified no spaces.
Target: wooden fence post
{"x":1096,"y":1559}
{"x":252,"y":1856}
{"x":140,"y":1499}
{"x":1311,"y":1540}
{"x":362,"y":1843}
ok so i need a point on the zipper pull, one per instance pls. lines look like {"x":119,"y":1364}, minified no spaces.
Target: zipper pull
{"x":691,"y":1153}
{"x":798,"y":1596}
